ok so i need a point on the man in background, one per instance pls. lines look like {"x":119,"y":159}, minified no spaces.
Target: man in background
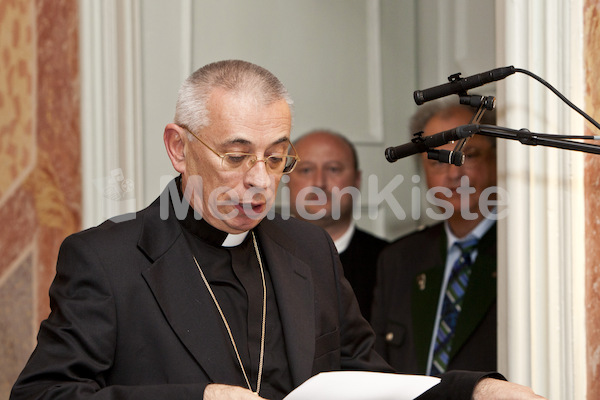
{"x":329,"y":168}
{"x":435,"y":303}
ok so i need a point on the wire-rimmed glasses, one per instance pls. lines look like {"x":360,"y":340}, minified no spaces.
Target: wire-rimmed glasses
{"x":275,"y":163}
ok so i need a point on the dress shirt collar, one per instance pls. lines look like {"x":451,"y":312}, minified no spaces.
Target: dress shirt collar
{"x":477,"y":232}
{"x":344,"y":241}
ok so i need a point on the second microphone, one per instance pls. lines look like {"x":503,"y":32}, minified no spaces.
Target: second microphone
{"x":424,"y":143}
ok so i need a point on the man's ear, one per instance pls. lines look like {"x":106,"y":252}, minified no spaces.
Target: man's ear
{"x":175,"y":144}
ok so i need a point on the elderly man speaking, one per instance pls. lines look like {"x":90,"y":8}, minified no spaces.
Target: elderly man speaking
{"x":199,"y":296}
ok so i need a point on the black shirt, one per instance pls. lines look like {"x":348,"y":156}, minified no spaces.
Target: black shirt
{"x":234,"y":276}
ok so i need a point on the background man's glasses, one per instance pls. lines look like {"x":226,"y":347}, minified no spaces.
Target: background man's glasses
{"x":275,"y":163}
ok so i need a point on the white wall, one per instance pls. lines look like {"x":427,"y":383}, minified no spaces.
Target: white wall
{"x":350,"y":65}
{"x":455,"y":36}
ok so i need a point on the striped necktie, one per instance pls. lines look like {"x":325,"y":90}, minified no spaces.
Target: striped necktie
{"x":457,"y":284}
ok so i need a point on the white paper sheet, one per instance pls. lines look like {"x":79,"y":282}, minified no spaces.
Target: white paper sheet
{"x":361,"y":385}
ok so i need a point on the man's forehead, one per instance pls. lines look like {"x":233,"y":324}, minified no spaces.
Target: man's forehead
{"x":322,"y":140}
{"x":256,"y":138}
{"x":235,"y":121}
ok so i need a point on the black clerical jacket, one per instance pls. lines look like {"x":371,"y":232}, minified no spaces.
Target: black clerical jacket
{"x":132,"y":319}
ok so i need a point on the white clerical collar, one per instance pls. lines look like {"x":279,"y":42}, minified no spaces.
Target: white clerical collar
{"x":344,"y":241}
{"x":234,"y":239}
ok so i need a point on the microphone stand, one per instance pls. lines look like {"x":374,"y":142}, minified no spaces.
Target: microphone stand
{"x":460,"y":86}
{"x":528,"y":138}
{"x":483,"y":103}
{"x":542,"y":139}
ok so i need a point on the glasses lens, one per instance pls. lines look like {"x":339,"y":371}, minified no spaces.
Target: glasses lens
{"x":281,"y":164}
{"x":275,"y":163}
{"x":290,"y":160}
{"x":238,"y":160}
{"x":290,"y":163}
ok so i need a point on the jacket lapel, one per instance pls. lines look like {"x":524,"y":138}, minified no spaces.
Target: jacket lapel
{"x":424,"y":306}
{"x":183,"y":298}
{"x":292,"y":282}
{"x":425,"y":297}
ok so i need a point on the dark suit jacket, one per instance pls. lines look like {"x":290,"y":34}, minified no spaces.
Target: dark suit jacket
{"x":360,"y":267}
{"x":131,"y":318}
{"x":410,"y":275}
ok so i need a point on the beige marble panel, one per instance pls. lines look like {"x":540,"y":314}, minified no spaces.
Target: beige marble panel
{"x":16,"y":327}
{"x":56,"y":181}
{"x":592,"y":197}
{"x":18,"y":302}
{"x":17,"y":150}
{"x":18,"y":227}
{"x":40,"y":179}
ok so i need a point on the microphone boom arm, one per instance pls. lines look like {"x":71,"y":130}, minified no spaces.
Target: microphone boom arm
{"x":429,"y":143}
{"x":534,"y":139}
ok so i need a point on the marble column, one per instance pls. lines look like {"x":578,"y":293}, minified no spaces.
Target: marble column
{"x":592,"y":197}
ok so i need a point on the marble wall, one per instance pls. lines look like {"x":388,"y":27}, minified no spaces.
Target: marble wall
{"x":592,"y":184}
{"x":40,"y":180}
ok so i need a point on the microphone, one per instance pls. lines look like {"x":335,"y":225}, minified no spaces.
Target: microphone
{"x":458,"y":85}
{"x":422,"y":144}
{"x":447,"y":156}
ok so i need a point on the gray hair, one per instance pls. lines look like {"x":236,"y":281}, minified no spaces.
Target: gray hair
{"x":445,"y":107}
{"x":232,"y":75}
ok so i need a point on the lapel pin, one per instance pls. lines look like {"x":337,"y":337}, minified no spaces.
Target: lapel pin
{"x":421,"y":280}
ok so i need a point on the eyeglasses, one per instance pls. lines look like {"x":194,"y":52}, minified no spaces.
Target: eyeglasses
{"x":275,"y":163}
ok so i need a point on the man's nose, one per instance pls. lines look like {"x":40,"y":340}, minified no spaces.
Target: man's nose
{"x":319,"y":179}
{"x":455,"y":172}
{"x":258,"y":175}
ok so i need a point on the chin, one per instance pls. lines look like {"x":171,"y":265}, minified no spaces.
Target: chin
{"x":243,"y":225}
{"x":326,"y":211}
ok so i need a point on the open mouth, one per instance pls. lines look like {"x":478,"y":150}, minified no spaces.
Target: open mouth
{"x":252,"y":209}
